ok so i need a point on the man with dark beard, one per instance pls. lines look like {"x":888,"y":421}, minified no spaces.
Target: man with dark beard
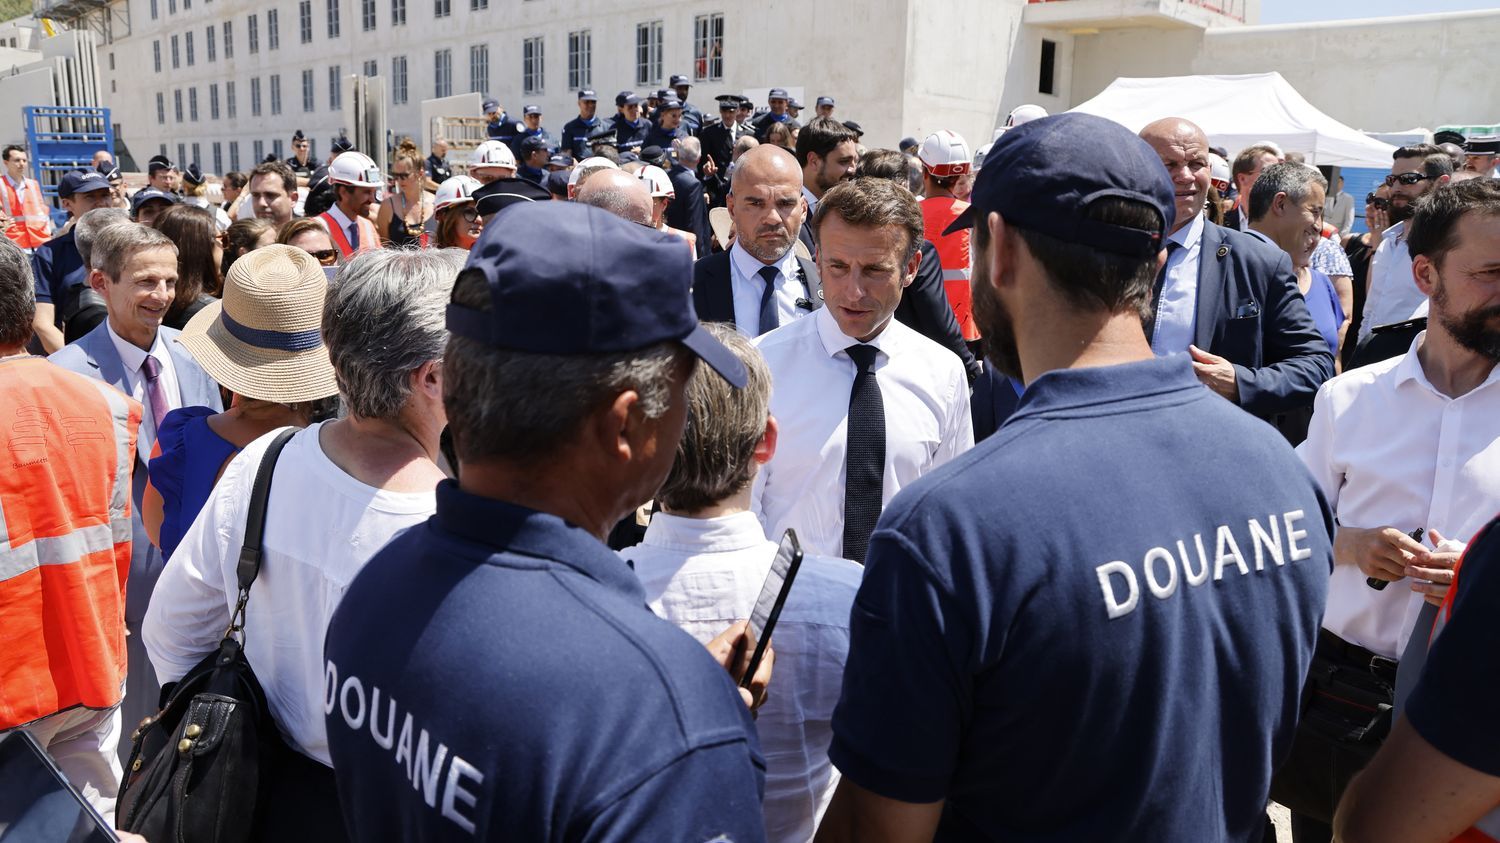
{"x":1401,"y":447}
{"x":1036,"y":651}
{"x":829,"y":154}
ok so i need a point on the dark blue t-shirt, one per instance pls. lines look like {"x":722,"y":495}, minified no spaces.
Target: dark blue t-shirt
{"x":1454,"y":704}
{"x":1095,"y":625}
{"x":495,"y":674}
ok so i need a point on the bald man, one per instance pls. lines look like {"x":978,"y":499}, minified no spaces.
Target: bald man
{"x":620,"y":193}
{"x":760,"y":284}
{"x":1230,"y":299}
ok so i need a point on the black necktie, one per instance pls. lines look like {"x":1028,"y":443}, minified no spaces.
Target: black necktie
{"x":1161,"y":281}
{"x":769,"y":320}
{"x":864,"y":459}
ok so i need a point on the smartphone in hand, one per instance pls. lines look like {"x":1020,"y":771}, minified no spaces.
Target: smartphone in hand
{"x":772,"y":597}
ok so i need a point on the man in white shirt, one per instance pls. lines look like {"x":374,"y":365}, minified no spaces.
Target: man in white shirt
{"x":1410,"y":442}
{"x":766,"y":204}
{"x":1392,"y":297}
{"x":704,"y":559}
{"x":866,"y":404}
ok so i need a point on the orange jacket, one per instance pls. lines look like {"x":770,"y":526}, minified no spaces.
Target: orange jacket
{"x":69,"y":442}
{"x":369,"y":237}
{"x":939,"y":212}
{"x":30,"y":222}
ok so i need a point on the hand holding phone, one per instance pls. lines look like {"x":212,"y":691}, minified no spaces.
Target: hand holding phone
{"x":772,"y":598}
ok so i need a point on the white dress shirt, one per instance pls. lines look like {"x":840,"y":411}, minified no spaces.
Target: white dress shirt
{"x":322,"y":526}
{"x":1393,"y":295}
{"x":1177,"y":313}
{"x":1390,"y":450}
{"x":344,"y":222}
{"x":705,"y":574}
{"x":133,"y":359}
{"x":744,"y":270}
{"x":812,"y":204}
{"x":926,"y":399}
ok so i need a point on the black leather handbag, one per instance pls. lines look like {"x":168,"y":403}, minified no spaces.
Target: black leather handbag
{"x":200,"y":768}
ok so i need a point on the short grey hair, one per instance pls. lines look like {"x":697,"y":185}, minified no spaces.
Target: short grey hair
{"x":620,"y":195}
{"x":383,"y":319}
{"x":689,"y":151}
{"x":525,"y":408}
{"x":17,"y":295}
{"x":89,"y":225}
{"x":114,"y":245}
{"x":1290,"y":178}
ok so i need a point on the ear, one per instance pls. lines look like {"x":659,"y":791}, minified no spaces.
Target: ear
{"x":1000,"y":253}
{"x":1425,"y":273}
{"x":99,"y":282}
{"x":1278,"y":204}
{"x":766,"y":447}
{"x":615,"y":428}
{"x":428,"y":379}
{"x":911,"y":268}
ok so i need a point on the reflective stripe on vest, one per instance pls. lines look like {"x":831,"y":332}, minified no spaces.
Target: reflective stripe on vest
{"x":369,"y":238}
{"x":31,"y":222}
{"x":65,"y":539}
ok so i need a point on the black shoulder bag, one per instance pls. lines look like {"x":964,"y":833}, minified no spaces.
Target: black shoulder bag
{"x":200,"y":768}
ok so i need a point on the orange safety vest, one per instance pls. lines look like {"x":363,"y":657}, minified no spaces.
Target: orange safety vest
{"x":369,"y":238}
{"x":65,"y":536}
{"x":30,"y":222}
{"x":939,"y":212}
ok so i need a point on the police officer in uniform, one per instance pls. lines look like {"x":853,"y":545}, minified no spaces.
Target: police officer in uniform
{"x":1149,"y":628}
{"x":531,"y":127}
{"x":503,"y":638}
{"x":532,"y":159}
{"x":575,"y":134}
{"x":630,"y":127}
{"x":437,"y":167}
{"x":779,"y":102}
{"x":602,"y":143}
{"x":692,"y":118}
{"x":718,"y":137}
{"x":301,"y":161}
{"x":499,"y":126}
{"x":668,"y":126}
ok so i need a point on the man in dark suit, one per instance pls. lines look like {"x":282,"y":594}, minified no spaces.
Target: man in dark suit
{"x":132,"y":351}
{"x":689,"y":211}
{"x":1230,"y":299}
{"x":760,"y":284}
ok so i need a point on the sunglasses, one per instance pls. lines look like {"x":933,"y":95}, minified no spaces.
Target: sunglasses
{"x":470,"y":214}
{"x":1407,"y":179}
{"x":1372,"y":199}
{"x":401,"y":176}
{"x":326,"y":257}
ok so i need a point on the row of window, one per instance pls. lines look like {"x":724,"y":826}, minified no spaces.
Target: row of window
{"x":708,"y":50}
{"x":335,"y":96}
{"x":258,"y":153}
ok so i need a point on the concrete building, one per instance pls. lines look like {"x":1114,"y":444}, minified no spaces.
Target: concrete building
{"x":225,"y":82}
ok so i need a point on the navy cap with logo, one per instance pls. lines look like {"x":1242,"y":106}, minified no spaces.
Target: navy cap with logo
{"x":531,"y":109}
{"x":825,"y":100}
{"x":670,"y":102}
{"x":795,"y":103}
{"x":150,"y":194}
{"x":588,"y":94}
{"x":662,"y":93}
{"x":728,"y":101}
{"x":110,"y":171}
{"x":563,"y":161}
{"x":532,"y":143}
{"x":679,"y":80}
{"x":558,"y":286}
{"x":1044,"y":174}
{"x":79,"y":181}
{"x":491,"y":105}
{"x":777,"y":94}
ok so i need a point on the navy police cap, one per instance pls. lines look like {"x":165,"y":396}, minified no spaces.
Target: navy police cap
{"x":558,"y":285}
{"x":81,"y":181}
{"x":1044,"y":174}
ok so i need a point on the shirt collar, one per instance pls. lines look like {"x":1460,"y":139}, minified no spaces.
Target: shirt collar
{"x":1396,"y":233}
{"x":338,"y":214}
{"x":1190,"y":234}
{"x":131,"y":354}
{"x":1065,"y":389}
{"x":812,"y":203}
{"x":1410,"y":369}
{"x":835,"y":340}
{"x":510,"y":528}
{"x":750,"y":266}
{"x":704,"y":535}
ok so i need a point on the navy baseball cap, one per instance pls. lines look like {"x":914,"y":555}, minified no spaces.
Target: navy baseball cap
{"x":79,"y":181}
{"x":148,"y":194}
{"x":670,"y":102}
{"x":588,"y":94}
{"x":558,"y":286}
{"x":654,"y":155}
{"x":531,"y":109}
{"x":679,"y":79}
{"x":533,"y":142}
{"x":777,"y":94}
{"x":563,"y":161}
{"x":1044,"y":174}
{"x":825,"y":100}
{"x":491,"y":105}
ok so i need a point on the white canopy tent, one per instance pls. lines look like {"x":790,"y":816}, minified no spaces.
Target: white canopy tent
{"x":1237,"y":111}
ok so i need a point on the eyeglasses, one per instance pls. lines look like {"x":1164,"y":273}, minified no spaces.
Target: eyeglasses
{"x":1406,"y":179}
{"x":1372,"y":199}
{"x":470,"y":214}
{"x":326,"y":257}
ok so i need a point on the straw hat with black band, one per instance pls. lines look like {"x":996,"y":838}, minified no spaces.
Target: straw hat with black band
{"x":264,"y":338}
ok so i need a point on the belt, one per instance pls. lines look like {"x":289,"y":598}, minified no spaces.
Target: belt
{"x":1333,"y":647}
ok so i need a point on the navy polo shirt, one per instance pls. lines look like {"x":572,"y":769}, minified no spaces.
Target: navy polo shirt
{"x":495,"y":674}
{"x":575,"y":136}
{"x":1453,"y":706}
{"x":1095,"y":624}
{"x":630,"y":135}
{"x":57,"y":267}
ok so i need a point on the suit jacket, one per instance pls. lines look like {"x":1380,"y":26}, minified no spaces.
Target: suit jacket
{"x":993,"y":401}
{"x":925,"y":309}
{"x":688,"y":211}
{"x":713,"y":288}
{"x":1251,"y":312}
{"x":95,"y":356}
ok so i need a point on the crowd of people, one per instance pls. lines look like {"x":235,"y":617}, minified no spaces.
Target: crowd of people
{"x":1131,"y":488}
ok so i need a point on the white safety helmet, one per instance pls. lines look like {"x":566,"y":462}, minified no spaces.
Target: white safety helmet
{"x":657,"y":181}
{"x":1025,"y":114}
{"x":492,"y":153}
{"x":589,"y":163}
{"x":979,"y":156}
{"x":455,"y":191}
{"x":945,"y":154}
{"x":356,"y":169}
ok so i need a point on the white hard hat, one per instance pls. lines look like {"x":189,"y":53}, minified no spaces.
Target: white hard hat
{"x":455,"y":191}
{"x":945,"y":154}
{"x":656,"y":181}
{"x":355,"y":168}
{"x":1025,"y":114}
{"x":492,"y":153}
{"x":588,"y":163}
{"x":979,"y":156}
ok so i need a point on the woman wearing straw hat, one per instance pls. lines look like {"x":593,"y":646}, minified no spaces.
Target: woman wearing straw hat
{"x":276,"y":291}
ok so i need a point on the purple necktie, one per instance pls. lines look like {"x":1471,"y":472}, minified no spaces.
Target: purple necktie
{"x":156,"y":394}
